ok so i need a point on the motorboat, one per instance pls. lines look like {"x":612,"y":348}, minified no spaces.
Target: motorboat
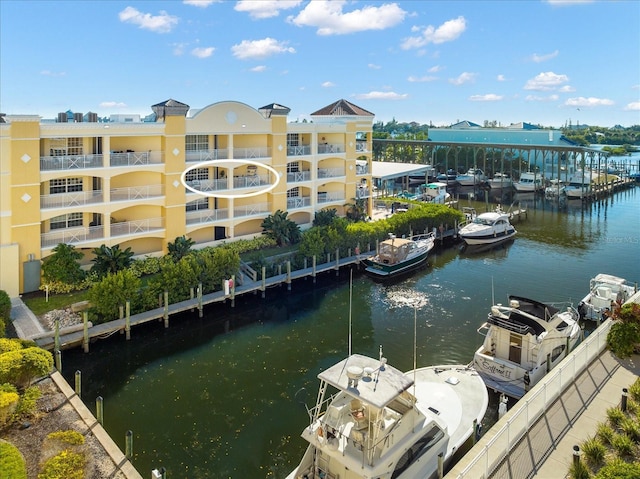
{"x":524,"y":341}
{"x":448,"y":177}
{"x":579,"y":185}
{"x":529,"y":182}
{"x":475,"y":176}
{"x":556,"y":189}
{"x":373,"y":421}
{"x":604,"y":291}
{"x":398,"y":255}
{"x":436,"y":192}
{"x":500,"y":180}
{"x":487,"y":228}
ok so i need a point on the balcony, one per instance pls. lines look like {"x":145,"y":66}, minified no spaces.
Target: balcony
{"x":261,"y":209}
{"x":205,"y":186}
{"x":251,"y":181}
{"x":135,"y":158}
{"x":298,"y":202}
{"x":362,"y":193}
{"x":301,"y":150}
{"x":298,"y":176}
{"x":361,"y":147}
{"x":207,"y":155}
{"x":329,"y":148}
{"x":362,"y":168}
{"x":70,"y":162}
{"x":330,"y":197}
{"x":251,"y":153}
{"x":68,"y":200}
{"x":137,"y":193}
{"x":330,"y":173}
{"x":137,"y":227}
{"x":207,"y":216}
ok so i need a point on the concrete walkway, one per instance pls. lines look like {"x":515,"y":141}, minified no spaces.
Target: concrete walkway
{"x":24,"y":321}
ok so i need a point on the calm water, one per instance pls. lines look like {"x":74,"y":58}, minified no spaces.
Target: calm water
{"x":203,"y":402}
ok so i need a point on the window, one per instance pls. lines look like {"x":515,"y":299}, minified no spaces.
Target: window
{"x":65,"y":221}
{"x":293,"y":139}
{"x":197,"y":174}
{"x":74,"y":146}
{"x":293,"y":167}
{"x":197,"y":143}
{"x":417,"y":450}
{"x":65,"y":185}
{"x":201,"y":204}
{"x":293,"y":192}
{"x":65,"y":146}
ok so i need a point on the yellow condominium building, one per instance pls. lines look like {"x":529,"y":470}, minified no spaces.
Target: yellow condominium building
{"x":211,"y":174}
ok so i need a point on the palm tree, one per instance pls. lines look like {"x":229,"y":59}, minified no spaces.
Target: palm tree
{"x":180,"y":248}
{"x":111,"y":260}
{"x":356,"y":210}
{"x":281,"y":229}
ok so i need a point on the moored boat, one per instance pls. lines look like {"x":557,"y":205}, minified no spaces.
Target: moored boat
{"x":500,"y":180}
{"x":378,"y":422}
{"x":488,"y":228}
{"x":473,"y":177}
{"x":398,"y":255}
{"x":436,"y":192}
{"x":604,"y":291}
{"x":524,"y":341}
{"x":529,"y":182}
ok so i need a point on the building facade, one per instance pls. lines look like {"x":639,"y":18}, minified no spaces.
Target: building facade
{"x":212,"y":175}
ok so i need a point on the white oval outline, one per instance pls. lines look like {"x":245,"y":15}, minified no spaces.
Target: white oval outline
{"x":222,"y":163}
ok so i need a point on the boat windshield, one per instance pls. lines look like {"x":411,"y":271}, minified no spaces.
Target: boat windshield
{"x":483,"y":221}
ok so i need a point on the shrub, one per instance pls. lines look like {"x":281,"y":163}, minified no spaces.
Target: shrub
{"x":69,"y":437}
{"x":7,"y":345}
{"x":22,"y":366}
{"x":605,"y":433}
{"x":27,"y":403}
{"x":618,"y":469}
{"x":9,"y":399}
{"x":578,"y":470}
{"x":615,"y":416}
{"x":62,"y":267}
{"x":634,"y":390}
{"x":5,"y":305}
{"x":66,"y":465}
{"x":594,"y":451}
{"x":631,"y":428}
{"x":12,"y":464}
{"x":622,"y":444}
{"x":113,"y":291}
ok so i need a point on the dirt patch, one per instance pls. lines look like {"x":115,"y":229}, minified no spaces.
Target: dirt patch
{"x":54,"y":413}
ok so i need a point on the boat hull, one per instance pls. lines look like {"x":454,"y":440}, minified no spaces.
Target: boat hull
{"x":383,"y":270}
{"x":488,"y":238}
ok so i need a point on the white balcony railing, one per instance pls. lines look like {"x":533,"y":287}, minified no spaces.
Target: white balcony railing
{"x":297,"y":176}
{"x":330,"y":197}
{"x":67,"y":200}
{"x":70,"y":162}
{"x":207,"y":155}
{"x":362,"y":193}
{"x":330,"y":172}
{"x":361,"y":146}
{"x":251,"y":181}
{"x":251,"y":210}
{"x":300,"y":150}
{"x":71,"y":236}
{"x":134,"y":158}
{"x":249,"y":153}
{"x":208,"y":185}
{"x":135,"y":227}
{"x":206,"y":216}
{"x":328,"y":148}
{"x":298,"y":202}
{"x":137,"y":192}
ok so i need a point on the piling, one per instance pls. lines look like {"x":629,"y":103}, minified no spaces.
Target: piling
{"x":127,"y":321}
{"x":58,"y":360}
{"x":128,"y":440}
{"x":288,"y":275}
{"x":100,"y":410}
{"x":576,"y":455}
{"x":313,"y":274}
{"x":263,"y":286}
{"x":200,"y":310}
{"x":337,"y":262}
{"x":623,"y":401}
{"x":440,"y":465}
{"x":85,"y":331}
{"x":165,"y":315}
{"x":78,"y":383}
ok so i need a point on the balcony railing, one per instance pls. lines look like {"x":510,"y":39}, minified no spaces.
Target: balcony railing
{"x":137,"y":226}
{"x":250,"y":181}
{"x":206,"y":216}
{"x":330,"y":172}
{"x":328,"y":148}
{"x":70,"y":162}
{"x":361,"y":146}
{"x":67,"y":200}
{"x":300,"y":150}
{"x":208,"y":185}
{"x":135,"y":158}
{"x":137,"y":192}
{"x":255,"y":152}
{"x":207,"y":155}
{"x":362,"y":169}
{"x":362,"y":193}
{"x":251,"y":210}
{"x":297,"y":176}
{"x":298,"y":202}
{"x":71,"y":236}
{"x":330,"y":197}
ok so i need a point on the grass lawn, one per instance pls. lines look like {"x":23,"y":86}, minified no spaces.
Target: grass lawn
{"x":39,"y":305}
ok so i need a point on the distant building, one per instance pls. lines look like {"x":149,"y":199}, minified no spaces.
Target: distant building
{"x":212,"y":174}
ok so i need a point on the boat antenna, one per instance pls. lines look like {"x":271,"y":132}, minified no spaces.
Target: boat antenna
{"x":493,"y":296}
{"x":350,"y":296}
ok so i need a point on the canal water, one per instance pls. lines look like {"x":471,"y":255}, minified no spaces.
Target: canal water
{"x":222,"y":396}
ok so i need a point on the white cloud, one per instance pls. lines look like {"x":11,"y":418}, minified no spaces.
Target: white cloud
{"x":373,"y":66}
{"x":546,"y":81}
{"x":588,"y":102}
{"x":328,"y":84}
{"x":264,"y":48}
{"x":258,"y":9}
{"x":566,"y":89}
{"x":435,"y":69}
{"x":633,"y":106}
{"x":487,"y":97}
{"x":426,"y":78}
{"x":542,"y":98}
{"x":501,"y":78}
{"x":258,"y":68}
{"x":463,"y":78}
{"x":203,"y":52}
{"x":381,"y":95}
{"x":162,"y":23}
{"x":329,"y":19}
{"x":447,"y":32}
{"x":543,"y":58}
{"x":49,"y":73}
{"x":112,"y":104}
{"x":200,"y":3}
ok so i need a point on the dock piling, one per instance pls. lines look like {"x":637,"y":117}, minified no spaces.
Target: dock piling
{"x":85,"y":331}
{"x":128,"y":439}
{"x":78,"y":383}
{"x":100,"y":410}
{"x":165,"y":315}
{"x":127,"y":321}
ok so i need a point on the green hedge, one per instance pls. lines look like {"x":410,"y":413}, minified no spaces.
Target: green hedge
{"x":12,"y":464}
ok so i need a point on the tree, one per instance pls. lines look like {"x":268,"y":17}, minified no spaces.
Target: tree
{"x":281,"y":229}
{"x":180,"y":247}
{"x":325,"y":217}
{"x":114,"y":291}
{"x":356,"y":210}
{"x":20,"y":367}
{"x":111,"y":260}
{"x":63,"y":265}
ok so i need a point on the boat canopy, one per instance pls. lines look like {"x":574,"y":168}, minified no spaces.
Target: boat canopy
{"x":534,"y":308}
{"x":372,"y":381}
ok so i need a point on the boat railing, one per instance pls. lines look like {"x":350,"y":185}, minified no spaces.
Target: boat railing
{"x":510,"y":325}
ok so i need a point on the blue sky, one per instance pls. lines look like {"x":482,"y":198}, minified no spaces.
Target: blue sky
{"x":547,"y":62}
